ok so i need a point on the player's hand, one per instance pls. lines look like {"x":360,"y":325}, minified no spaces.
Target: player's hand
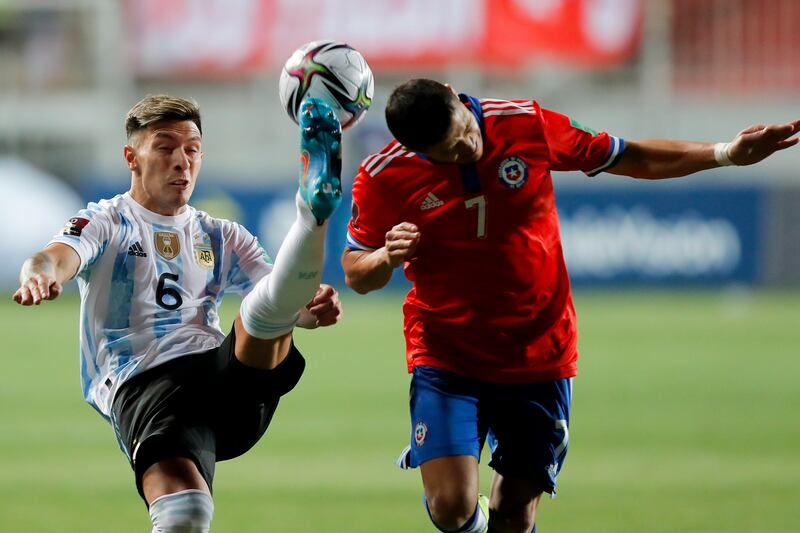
{"x":36,"y":289}
{"x":401,"y":243}
{"x":324,"y":309}
{"x":758,"y":142}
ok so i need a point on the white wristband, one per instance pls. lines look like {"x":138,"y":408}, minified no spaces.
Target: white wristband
{"x":721,"y":154}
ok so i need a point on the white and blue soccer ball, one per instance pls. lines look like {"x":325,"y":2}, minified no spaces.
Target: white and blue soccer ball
{"x":332,"y":71}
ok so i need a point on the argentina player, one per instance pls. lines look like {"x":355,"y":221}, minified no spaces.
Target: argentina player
{"x":151,"y":270}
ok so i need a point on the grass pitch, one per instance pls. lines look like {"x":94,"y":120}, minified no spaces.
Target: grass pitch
{"x":684,"y":419}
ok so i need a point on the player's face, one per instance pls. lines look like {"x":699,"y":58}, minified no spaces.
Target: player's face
{"x":165,"y":159}
{"x":463,"y":143}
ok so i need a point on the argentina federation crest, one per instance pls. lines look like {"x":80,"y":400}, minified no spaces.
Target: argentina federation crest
{"x":167,"y":244}
{"x":204,"y":256}
{"x":203,"y":252}
{"x":513,"y":172}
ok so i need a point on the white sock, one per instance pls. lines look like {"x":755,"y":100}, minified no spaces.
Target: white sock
{"x":187,"y":511}
{"x":479,"y":522}
{"x":476,"y":524}
{"x":272,"y":307}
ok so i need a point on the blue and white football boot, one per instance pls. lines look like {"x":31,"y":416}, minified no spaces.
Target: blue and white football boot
{"x":320,"y":158}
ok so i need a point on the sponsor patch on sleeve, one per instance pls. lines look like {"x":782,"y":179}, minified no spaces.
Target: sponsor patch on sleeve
{"x":575,"y":124}
{"x":74,"y":226}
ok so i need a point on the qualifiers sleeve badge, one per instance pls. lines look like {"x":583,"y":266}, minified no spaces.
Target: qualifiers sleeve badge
{"x":513,"y":172}
{"x":74,"y":226}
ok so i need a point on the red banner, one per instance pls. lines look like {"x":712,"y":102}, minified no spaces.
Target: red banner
{"x":244,"y":37}
{"x":591,"y":33}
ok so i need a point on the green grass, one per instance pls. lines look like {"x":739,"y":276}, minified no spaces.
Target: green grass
{"x":684,"y":419}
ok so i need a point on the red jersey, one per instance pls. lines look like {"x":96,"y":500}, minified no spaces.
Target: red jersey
{"x":490,"y":297}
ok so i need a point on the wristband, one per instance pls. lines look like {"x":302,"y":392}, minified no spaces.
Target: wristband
{"x":721,"y":155}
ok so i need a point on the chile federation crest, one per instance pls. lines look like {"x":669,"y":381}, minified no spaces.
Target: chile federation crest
{"x":420,"y":432}
{"x":513,"y":172}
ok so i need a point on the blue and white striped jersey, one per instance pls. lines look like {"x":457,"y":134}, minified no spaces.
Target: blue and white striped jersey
{"x":151,"y":286}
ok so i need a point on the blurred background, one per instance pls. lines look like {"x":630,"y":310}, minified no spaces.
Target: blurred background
{"x":688,"y":69}
{"x":705,"y":269}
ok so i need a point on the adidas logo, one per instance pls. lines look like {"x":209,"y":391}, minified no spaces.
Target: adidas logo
{"x":136,"y":250}
{"x":430,"y":202}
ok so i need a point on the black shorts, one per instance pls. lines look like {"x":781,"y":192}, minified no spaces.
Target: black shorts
{"x":207,"y":407}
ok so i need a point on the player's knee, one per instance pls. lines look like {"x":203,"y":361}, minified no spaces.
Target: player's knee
{"x":450,"y":510}
{"x":513,"y":518}
{"x":261,"y":318}
{"x":187,"y":511}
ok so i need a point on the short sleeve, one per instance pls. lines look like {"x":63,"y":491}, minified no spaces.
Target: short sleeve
{"x":573,"y":146}
{"x":373,"y":211}
{"x":88,"y":233}
{"x":248,"y":262}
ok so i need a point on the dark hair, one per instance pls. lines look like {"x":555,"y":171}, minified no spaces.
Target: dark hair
{"x":154,"y":108}
{"x":419,"y":113}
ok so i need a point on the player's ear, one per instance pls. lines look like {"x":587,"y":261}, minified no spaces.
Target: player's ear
{"x":452,"y":90}
{"x":130,"y":156}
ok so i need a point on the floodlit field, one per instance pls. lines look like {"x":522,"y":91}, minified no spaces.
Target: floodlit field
{"x":685,"y":419}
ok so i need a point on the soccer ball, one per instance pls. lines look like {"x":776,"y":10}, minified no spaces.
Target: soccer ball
{"x":331,"y":71}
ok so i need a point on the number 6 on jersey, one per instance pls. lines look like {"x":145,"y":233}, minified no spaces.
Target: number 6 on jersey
{"x":162,"y":290}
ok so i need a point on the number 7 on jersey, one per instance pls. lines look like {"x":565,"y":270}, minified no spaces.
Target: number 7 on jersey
{"x":480,"y":203}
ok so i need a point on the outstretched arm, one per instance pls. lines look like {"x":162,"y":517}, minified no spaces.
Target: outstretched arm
{"x":44,"y":272}
{"x":659,"y":159}
{"x":367,"y":271}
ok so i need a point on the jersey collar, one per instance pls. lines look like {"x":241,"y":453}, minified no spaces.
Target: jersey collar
{"x":474,"y":105}
{"x":152,"y":217}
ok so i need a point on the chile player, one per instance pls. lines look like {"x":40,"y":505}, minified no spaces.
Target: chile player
{"x":464,"y":200}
